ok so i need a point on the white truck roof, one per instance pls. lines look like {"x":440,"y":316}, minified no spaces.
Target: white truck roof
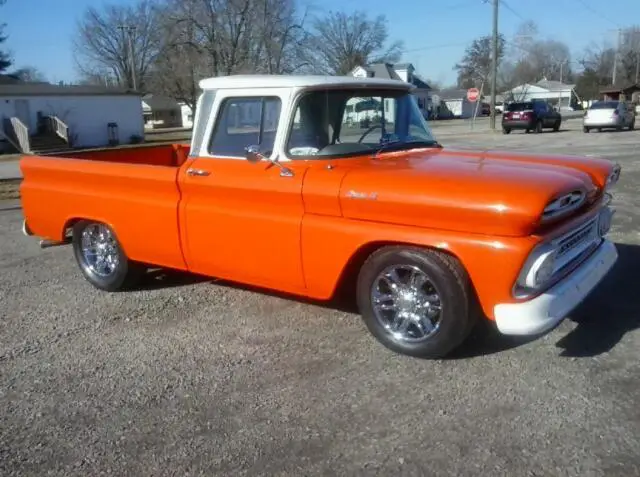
{"x":296,"y":81}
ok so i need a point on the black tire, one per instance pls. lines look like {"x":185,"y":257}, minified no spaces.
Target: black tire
{"x":632,"y":125}
{"x":585,"y":129}
{"x":458,"y":311}
{"x":123,"y":275}
{"x":538,"y":128}
{"x":506,"y":130}
{"x":599,"y":129}
{"x":556,"y":126}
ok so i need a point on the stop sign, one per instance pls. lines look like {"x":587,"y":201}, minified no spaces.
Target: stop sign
{"x":472,"y":94}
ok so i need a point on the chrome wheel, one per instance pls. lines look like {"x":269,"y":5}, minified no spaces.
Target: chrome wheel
{"x":406,"y":303}
{"x":100,"y":251}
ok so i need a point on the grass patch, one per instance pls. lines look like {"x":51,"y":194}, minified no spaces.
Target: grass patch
{"x":10,"y":189}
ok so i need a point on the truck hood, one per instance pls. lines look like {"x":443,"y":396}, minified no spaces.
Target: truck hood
{"x":494,"y":193}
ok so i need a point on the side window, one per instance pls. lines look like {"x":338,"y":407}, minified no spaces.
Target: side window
{"x":245,"y":122}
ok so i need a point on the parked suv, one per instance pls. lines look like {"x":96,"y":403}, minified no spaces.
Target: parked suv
{"x":530,"y":116}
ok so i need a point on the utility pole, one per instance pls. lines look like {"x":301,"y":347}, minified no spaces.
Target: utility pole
{"x":494,"y":65}
{"x":132,"y":64}
{"x":615,"y":59}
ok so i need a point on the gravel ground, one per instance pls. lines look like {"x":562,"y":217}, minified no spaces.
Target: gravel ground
{"x":189,"y":376}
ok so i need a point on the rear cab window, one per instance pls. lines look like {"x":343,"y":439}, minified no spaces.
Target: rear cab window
{"x":243,"y":122}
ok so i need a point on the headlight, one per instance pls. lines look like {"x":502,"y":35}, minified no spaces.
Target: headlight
{"x":537,"y":271}
{"x":540,"y":271}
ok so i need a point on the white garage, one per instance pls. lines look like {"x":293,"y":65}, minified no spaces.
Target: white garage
{"x":41,"y":116}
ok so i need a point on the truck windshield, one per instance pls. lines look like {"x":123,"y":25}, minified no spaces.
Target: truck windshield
{"x":349,"y":122}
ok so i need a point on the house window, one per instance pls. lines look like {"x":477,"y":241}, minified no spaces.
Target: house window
{"x":245,"y":122}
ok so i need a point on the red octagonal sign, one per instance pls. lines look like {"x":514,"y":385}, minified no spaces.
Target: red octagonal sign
{"x":472,"y":94}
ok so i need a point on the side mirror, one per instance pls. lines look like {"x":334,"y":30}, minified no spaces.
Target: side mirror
{"x":252,"y":154}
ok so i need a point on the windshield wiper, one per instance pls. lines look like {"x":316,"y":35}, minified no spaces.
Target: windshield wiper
{"x":414,"y":144}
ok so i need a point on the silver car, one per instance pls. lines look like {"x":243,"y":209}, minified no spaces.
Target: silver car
{"x":609,"y":114}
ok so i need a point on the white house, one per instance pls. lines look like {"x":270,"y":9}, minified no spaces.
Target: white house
{"x":161,"y":112}
{"x":187,"y":115}
{"x":454,"y":103}
{"x":554,"y":92}
{"x":80,"y":116}
{"x":401,"y":72}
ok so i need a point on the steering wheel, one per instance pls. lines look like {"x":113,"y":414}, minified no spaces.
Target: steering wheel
{"x":368,"y":131}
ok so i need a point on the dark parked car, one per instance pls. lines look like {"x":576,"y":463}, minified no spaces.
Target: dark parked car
{"x":530,"y":116}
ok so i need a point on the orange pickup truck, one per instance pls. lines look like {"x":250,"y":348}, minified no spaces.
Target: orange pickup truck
{"x":312,"y":185}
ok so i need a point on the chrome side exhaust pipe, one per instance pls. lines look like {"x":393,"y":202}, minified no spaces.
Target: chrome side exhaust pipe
{"x":53,"y":243}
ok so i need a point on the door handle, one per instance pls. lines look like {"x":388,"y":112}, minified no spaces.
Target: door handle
{"x":197,"y":172}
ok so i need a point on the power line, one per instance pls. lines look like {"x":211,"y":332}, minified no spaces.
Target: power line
{"x":595,"y":12}
{"x":508,"y":7}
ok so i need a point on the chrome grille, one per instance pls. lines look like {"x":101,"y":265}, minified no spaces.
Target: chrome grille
{"x":573,"y":245}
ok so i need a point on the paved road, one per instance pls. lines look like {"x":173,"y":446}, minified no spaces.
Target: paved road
{"x":194,"y":377}
{"x":10,"y":170}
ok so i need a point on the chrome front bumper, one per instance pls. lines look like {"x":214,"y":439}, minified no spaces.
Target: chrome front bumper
{"x":545,"y":311}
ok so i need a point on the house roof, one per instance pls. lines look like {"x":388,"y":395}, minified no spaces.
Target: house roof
{"x":381,"y":70}
{"x":297,"y":81}
{"x":620,"y":89}
{"x":158,"y":103}
{"x":403,"y":66}
{"x":446,"y":94}
{"x":418,"y":82}
{"x":554,"y":85}
{"x":47,"y":89}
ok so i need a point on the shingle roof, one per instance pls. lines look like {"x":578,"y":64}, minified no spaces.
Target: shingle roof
{"x":452,"y":94}
{"x":382,"y":70}
{"x":418,"y":82}
{"x":46,"y":89}
{"x":554,"y":85}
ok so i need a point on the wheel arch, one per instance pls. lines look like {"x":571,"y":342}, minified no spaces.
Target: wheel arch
{"x":67,"y":228}
{"x":346,"y":282}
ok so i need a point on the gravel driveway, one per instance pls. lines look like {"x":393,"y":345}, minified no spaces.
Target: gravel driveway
{"x":193,"y":377}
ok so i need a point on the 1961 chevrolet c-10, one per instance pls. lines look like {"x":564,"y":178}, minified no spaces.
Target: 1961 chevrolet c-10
{"x":313,"y":185}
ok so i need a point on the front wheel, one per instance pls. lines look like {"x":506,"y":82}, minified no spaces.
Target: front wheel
{"x":556,"y":127}
{"x":632,"y":125}
{"x":585,"y":129}
{"x":101,"y":258}
{"x":415,"y":301}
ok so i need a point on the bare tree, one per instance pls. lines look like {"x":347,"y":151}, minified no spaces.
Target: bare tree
{"x":30,"y":74}
{"x":204,"y":38}
{"x":475,"y":67}
{"x":102,"y":45}
{"x":529,"y":59}
{"x":5,"y":58}
{"x":340,"y":42}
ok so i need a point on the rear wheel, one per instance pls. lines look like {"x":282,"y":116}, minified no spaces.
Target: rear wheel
{"x":632,"y":125}
{"x":506,"y":130}
{"x":585,"y":129}
{"x":101,"y":258}
{"x":415,"y":301}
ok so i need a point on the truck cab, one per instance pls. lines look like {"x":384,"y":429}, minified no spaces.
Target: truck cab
{"x":319,"y":185}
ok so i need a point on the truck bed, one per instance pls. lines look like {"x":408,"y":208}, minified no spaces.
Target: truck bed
{"x":168,"y":155}
{"x":135,"y":190}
